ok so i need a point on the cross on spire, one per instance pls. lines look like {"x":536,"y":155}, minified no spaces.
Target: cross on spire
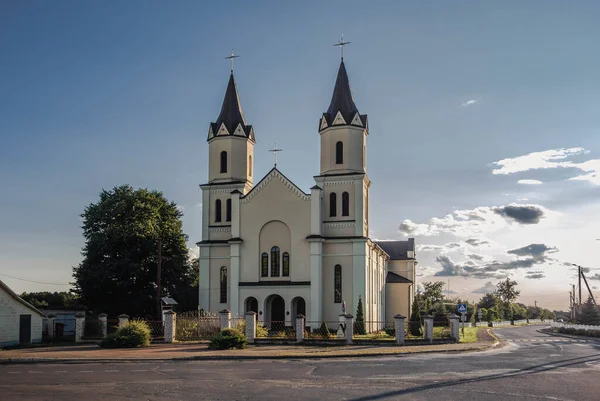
{"x":275,"y":150}
{"x":231,"y":58}
{"x":341,"y":45}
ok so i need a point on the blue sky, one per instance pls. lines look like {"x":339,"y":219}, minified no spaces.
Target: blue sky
{"x":98,"y":94}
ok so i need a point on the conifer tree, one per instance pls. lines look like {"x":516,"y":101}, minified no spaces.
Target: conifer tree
{"x":359,"y":324}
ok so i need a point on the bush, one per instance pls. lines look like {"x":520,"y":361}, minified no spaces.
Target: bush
{"x":415,"y":328}
{"x":562,"y":330}
{"x":324,"y":331}
{"x":228,"y":339}
{"x":390,"y":331}
{"x":134,"y":334}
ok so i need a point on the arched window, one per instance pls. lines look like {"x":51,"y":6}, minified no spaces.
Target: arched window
{"x":332,"y":204}
{"x":250,"y":165}
{"x":286,"y":265}
{"x":264,"y":265}
{"x":337,"y":284}
{"x":223,"y":162}
{"x":223,"y":279}
{"x":218,"y":210}
{"x":345,"y":204}
{"x":339,"y":152}
{"x":275,"y":251}
{"x":228,"y":210}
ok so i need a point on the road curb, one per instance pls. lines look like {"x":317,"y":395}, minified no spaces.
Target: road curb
{"x":74,"y":361}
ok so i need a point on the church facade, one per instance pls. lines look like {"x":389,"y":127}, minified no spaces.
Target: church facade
{"x":269,"y":247}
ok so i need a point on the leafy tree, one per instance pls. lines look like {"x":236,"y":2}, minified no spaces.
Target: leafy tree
{"x":359,"y":324}
{"x":534,"y":312}
{"x":547,"y":314}
{"x":432,"y":293}
{"x":589,"y":313}
{"x":54,"y":300}
{"x":119,"y":268}
{"x":508,"y":293}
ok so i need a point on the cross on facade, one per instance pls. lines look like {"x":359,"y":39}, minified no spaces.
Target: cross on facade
{"x":341,"y":45}
{"x":231,"y":58}
{"x":275,"y":150}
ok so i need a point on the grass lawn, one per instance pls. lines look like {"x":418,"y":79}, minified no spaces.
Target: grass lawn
{"x":470,"y":334}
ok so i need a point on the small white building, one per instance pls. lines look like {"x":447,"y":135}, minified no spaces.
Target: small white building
{"x":20,"y":322}
{"x":279,"y":251}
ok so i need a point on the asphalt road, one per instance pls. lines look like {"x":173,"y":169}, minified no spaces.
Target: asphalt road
{"x":532,"y":366}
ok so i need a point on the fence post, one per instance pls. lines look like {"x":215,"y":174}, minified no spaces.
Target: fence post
{"x":103,"y":320}
{"x":225,"y":319}
{"x":428,"y":321}
{"x":399,"y":329}
{"x":123,"y":319}
{"x":299,"y":328}
{"x":79,"y":326}
{"x":454,"y":329}
{"x":170,"y":326}
{"x":51,"y":325}
{"x":349,"y":328}
{"x":250,"y":326}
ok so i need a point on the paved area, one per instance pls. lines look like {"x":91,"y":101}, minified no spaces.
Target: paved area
{"x":535,"y":369}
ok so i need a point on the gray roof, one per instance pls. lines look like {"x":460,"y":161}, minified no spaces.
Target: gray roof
{"x":396,"y":278}
{"x":19,"y":299}
{"x":398,"y":250}
{"x":342,"y":100}
{"x":231,"y":112}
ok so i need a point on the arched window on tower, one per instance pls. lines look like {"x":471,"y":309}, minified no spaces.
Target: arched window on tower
{"x":228,"y":210}
{"x":250,"y":165}
{"x":286,"y":265}
{"x":223,"y":292}
{"x":264,"y":265}
{"x":337,"y":284}
{"x":332,"y":204}
{"x":339,"y":152}
{"x":345,"y":204}
{"x":218,"y":211}
{"x":275,"y":254}
{"x":223,"y":162}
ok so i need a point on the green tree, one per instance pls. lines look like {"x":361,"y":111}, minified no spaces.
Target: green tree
{"x":508,"y":293}
{"x":589,"y":313}
{"x":118,"y":273}
{"x":432,"y":293}
{"x":415,"y":318}
{"x":53,"y":300}
{"x":359,"y":324}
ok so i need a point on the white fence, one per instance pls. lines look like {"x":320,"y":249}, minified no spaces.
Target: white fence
{"x":500,"y":324}
{"x":574,"y":326}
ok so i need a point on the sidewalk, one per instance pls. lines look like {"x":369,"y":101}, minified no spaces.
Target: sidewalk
{"x":199,"y":351}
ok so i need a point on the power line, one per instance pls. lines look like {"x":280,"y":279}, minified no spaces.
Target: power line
{"x":31,"y":281}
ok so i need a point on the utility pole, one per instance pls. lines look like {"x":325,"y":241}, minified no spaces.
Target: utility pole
{"x":571,"y":304}
{"x":158,"y":279}
{"x":574,"y":304}
{"x":535,"y":303}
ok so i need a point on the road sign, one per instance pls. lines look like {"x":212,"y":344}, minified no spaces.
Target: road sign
{"x":462,"y":308}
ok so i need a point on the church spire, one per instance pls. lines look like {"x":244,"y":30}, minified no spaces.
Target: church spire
{"x":342,"y":110}
{"x":231,"y":120}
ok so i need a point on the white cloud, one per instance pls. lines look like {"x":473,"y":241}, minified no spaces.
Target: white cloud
{"x":554,"y":158}
{"x":529,"y":182}
{"x":487,"y":288}
{"x":469,"y":102}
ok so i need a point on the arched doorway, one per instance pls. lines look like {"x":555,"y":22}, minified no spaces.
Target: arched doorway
{"x":298,"y":308}
{"x":251,"y":305}
{"x":275,"y":309}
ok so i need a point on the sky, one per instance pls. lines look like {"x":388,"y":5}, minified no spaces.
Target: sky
{"x":483,"y":118}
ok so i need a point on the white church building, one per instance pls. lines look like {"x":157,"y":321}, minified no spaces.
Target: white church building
{"x":272,"y":248}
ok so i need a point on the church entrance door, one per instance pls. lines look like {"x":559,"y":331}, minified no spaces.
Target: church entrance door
{"x":275,"y":311}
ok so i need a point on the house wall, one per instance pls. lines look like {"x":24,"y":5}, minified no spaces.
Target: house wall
{"x":398,"y":300}
{"x":10,"y":311}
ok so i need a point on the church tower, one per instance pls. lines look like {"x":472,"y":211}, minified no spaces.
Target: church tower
{"x":343,"y":171}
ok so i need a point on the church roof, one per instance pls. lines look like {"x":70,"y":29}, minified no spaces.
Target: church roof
{"x":392,"y":277}
{"x":231,"y":115}
{"x":342,"y":101}
{"x":398,"y":250}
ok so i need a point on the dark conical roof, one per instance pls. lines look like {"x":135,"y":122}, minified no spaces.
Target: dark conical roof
{"x":231,"y":112}
{"x":342,"y":100}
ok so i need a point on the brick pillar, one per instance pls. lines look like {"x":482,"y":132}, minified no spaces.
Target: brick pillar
{"x":399,"y":329}
{"x":51,"y":322}
{"x":79,"y":326}
{"x":103,"y":321}
{"x":225,"y":319}
{"x":250,"y":326}
{"x":123,"y":319}
{"x":341,"y":330}
{"x":454,"y":326}
{"x":349,"y":328}
{"x":299,"y":328}
{"x":170,"y":326}
{"x":428,"y":321}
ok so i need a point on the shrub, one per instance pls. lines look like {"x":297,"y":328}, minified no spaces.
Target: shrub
{"x":390,"y":331}
{"x":324,"y":331}
{"x":415,"y":328}
{"x":134,"y":334}
{"x":261,"y":331}
{"x":228,"y":339}
{"x":570,"y":330}
{"x":562,"y":329}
